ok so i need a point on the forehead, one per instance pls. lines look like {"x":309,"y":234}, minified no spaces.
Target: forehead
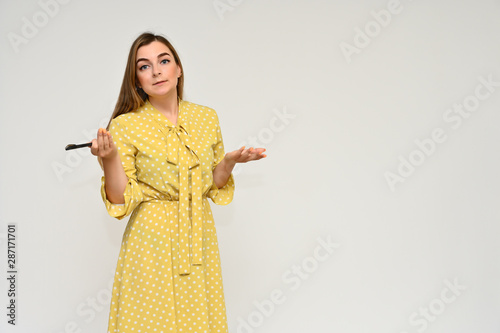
{"x":152,"y":50}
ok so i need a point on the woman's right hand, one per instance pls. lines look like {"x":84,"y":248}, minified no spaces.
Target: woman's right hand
{"x":103,"y":146}
{"x":107,"y":154}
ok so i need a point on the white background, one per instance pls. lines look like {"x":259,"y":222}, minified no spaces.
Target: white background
{"x":351,"y":120}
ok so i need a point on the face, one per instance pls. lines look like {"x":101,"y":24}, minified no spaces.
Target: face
{"x":156,"y":70}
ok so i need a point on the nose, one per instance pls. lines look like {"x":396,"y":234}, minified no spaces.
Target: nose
{"x":155,"y":71}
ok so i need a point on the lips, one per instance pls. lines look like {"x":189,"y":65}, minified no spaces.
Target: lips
{"x":159,"y":82}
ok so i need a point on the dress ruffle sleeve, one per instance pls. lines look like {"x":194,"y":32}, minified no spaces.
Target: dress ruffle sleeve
{"x":224,"y":195}
{"x":133,"y":193}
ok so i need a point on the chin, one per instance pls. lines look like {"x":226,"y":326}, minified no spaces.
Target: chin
{"x":159,"y":94}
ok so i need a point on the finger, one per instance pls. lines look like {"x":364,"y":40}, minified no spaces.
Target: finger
{"x":257,"y":151}
{"x":260,"y":150}
{"x":250,"y":152}
{"x":110,"y":139}
{"x":95,"y":147}
{"x":261,"y":156}
{"x":100,"y":140}
{"x":256,"y":154}
{"x":112,"y":142}
{"x":105,"y":140}
{"x":240,"y":152}
{"x":105,"y":143}
{"x":243,"y":156}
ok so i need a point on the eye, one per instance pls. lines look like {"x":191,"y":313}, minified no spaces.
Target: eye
{"x":164,"y":61}
{"x":143,"y":67}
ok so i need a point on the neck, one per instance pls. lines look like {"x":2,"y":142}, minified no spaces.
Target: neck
{"x":166,"y":104}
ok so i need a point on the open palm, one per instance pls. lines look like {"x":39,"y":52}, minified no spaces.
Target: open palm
{"x":243,"y":155}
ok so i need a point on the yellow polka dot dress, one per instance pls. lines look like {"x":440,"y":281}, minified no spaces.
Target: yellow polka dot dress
{"x":168,"y":276}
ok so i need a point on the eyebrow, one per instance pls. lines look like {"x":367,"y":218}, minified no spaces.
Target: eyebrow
{"x":159,"y":56}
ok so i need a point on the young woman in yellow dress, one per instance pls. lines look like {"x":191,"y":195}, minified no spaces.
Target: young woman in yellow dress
{"x":163,"y":157}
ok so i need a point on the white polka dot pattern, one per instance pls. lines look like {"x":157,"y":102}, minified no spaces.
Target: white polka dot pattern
{"x":168,"y":276}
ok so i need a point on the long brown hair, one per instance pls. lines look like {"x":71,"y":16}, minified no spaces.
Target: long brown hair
{"x":131,"y":97}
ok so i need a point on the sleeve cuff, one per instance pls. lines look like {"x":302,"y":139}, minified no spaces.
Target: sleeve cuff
{"x":224,"y":195}
{"x":133,"y":197}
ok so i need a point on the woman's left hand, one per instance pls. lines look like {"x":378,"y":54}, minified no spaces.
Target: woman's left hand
{"x":223,"y":170}
{"x":243,"y":155}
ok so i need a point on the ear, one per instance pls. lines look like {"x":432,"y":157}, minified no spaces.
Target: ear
{"x":179,"y":72}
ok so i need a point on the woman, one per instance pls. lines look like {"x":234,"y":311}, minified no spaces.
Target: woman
{"x":163,"y":157}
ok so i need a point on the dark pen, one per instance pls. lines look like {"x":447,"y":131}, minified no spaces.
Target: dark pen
{"x":73,"y":146}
